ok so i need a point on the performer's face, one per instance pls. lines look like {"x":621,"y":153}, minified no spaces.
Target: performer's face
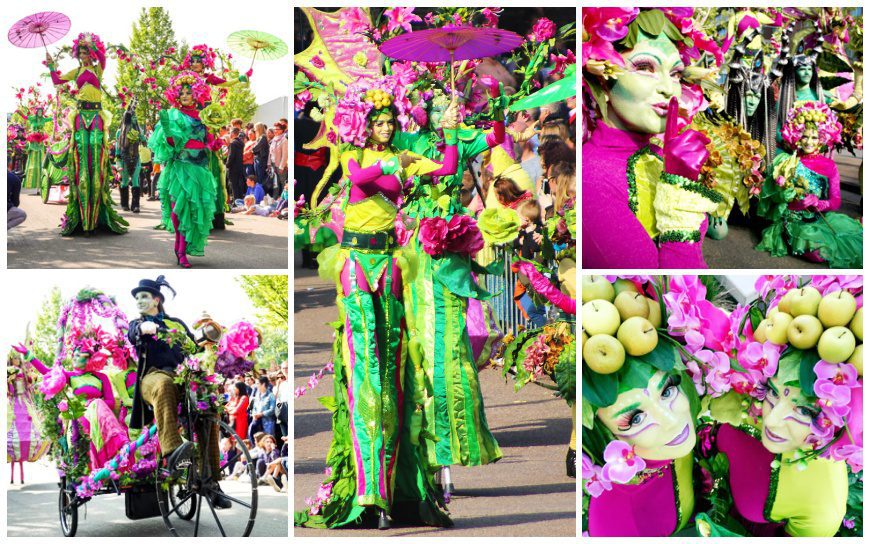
{"x":804,"y":73}
{"x":656,"y":420}
{"x":196,"y":65}
{"x":185,"y":96}
{"x":435,"y":116}
{"x":786,"y":416}
{"x":382,"y":127}
{"x":146,"y":303}
{"x":809,"y":142}
{"x":752,"y":101}
{"x":639,"y":98}
{"x":84,"y":56}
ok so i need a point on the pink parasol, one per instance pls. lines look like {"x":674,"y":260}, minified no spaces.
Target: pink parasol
{"x":451,"y":43}
{"x":39,"y":29}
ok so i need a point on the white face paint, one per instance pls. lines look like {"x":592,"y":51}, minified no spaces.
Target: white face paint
{"x":146,"y":303}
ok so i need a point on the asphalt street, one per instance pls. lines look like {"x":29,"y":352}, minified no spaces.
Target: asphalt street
{"x":253,"y":242}
{"x":527,"y":493}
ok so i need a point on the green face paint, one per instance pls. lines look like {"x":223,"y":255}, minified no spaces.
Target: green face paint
{"x":786,"y":415}
{"x":639,"y":99}
{"x":751,"y":101}
{"x":804,"y":74}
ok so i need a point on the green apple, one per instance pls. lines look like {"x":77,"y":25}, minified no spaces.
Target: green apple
{"x":604,"y":354}
{"x":638,"y":336}
{"x":836,"y":309}
{"x":777,"y":329}
{"x":857,"y":324}
{"x":596,"y":288}
{"x":760,"y":333}
{"x":804,"y":331}
{"x":621,"y":285}
{"x":805,"y":302}
{"x":836,"y":344}
{"x":631,"y":305}
{"x":655,"y":313}
{"x":772,"y":311}
{"x":600,"y":317}
{"x":785,"y":302}
{"x":857,"y":359}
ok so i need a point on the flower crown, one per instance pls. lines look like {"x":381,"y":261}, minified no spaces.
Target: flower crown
{"x":94,"y":44}
{"x":201,"y":91}
{"x":364,"y":97}
{"x":205,"y":53}
{"x":812,"y":115}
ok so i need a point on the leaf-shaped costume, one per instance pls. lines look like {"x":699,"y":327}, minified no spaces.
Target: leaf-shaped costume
{"x":35,"y":150}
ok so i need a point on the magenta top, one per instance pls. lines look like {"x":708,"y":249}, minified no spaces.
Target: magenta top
{"x":612,"y":236}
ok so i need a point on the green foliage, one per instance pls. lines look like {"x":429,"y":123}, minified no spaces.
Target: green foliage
{"x":854,"y":506}
{"x":240,"y":102}
{"x":273,"y":351}
{"x":565,"y":373}
{"x":268,"y":293}
{"x":44,"y":340}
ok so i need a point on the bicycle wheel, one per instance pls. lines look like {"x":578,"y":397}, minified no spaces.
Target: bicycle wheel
{"x":68,"y":510}
{"x":187,"y":499}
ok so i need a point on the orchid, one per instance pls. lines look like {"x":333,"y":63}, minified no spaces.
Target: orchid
{"x":622,"y":463}
{"x":602,"y":27}
{"x":718,"y":367}
{"x":398,"y":17}
{"x":354,"y":21}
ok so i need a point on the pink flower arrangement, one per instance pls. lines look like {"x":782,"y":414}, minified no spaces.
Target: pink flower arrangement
{"x":601,"y":28}
{"x":681,"y":300}
{"x":682,"y":19}
{"x":543,"y":30}
{"x":354,"y":21}
{"x":95,"y":46}
{"x":352,"y":110}
{"x":200,"y":89}
{"x":817,"y":115}
{"x":206,"y":53}
{"x":53,"y":382}
{"x":398,"y":17}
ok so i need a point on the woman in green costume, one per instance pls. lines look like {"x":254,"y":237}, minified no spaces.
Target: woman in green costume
{"x":90,"y":201}
{"x":183,"y":146}
{"x":35,"y":149}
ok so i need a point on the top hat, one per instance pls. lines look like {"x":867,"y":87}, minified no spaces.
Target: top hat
{"x":153,"y":287}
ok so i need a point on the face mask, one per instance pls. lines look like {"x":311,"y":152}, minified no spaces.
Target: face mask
{"x":786,"y":417}
{"x":146,"y":303}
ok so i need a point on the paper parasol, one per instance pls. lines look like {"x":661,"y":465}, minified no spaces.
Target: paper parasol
{"x":554,"y":92}
{"x":254,"y":44}
{"x":451,"y":43}
{"x":39,"y":29}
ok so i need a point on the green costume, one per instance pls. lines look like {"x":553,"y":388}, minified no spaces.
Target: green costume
{"x":35,"y":151}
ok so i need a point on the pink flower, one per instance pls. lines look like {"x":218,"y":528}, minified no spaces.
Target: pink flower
{"x":240,"y":339}
{"x":718,"y":366}
{"x":317,"y":62}
{"x":463,"y":236}
{"x":490,"y":16}
{"x":761,"y":360}
{"x":833,"y":283}
{"x":354,"y":21}
{"x":622,"y":463}
{"x":63,"y":406}
{"x":596,"y":483}
{"x":543,"y":30}
{"x":560,"y":62}
{"x":300,"y":99}
{"x":351,"y":121}
{"x":433,"y":235}
{"x":840,"y":374}
{"x":400,"y":18}
{"x":715,"y":327}
{"x":602,"y":27}
{"x":404,"y":228}
{"x":53,"y":382}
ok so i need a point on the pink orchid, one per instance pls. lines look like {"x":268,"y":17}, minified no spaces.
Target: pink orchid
{"x":833,"y":283}
{"x":718,"y":368}
{"x":761,"y":360}
{"x":833,"y":400}
{"x":715,"y":327}
{"x":697,"y":376}
{"x":561,"y":62}
{"x":400,"y":18}
{"x":596,"y":484}
{"x":765,"y":283}
{"x":622,"y":463}
{"x":840,"y":374}
{"x":602,"y":27}
{"x":354,"y":21}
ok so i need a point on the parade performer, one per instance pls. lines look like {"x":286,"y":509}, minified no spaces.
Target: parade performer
{"x":23,"y":440}
{"x":183,"y":145}
{"x":379,"y":394}
{"x":644,"y":206}
{"x":127,"y":159}
{"x":36,"y":141}
{"x":162,"y":343}
{"x":90,"y":201}
{"x":802,"y":193}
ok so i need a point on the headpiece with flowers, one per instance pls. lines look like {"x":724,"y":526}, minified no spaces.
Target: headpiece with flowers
{"x":95,"y":47}
{"x":198,"y":87}
{"x":362,"y":99}
{"x":816,"y":115}
{"x":202,"y":52}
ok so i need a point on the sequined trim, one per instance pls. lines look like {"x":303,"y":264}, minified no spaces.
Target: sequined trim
{"x":679,"y":236}
{"x":376,"y":195}
{"x":676,"y":494}
{"x":771,"y":490}
{"x":630,"y":176}
{"x":693,"y":186}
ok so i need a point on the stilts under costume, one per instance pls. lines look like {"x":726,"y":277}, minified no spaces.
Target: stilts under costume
{"x":36,"y":141}
{"x":183,"y":146}
{"x":90,"y":201}
{"x":127,"y":159}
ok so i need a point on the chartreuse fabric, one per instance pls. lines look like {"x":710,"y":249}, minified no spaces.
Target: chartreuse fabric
{"x":811,"y":500}
{"x":35,"y":152}
{"x":187,"y":184}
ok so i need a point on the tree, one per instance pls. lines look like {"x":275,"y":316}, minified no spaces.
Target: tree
{"x":239,"y":101}
{"x":45,"y":334}
{"x":268,"y":293}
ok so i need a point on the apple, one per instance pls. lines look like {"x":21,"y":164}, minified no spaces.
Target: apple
{"x":804,"y":331}
{"x":597,"y":288}
{"x":760,"y":333}
{"x":805,"y":302}
{"x":777,"y":329}
{"x":836,"y":344}
{"x":836,"y":309}
{"x":583,"y":338}
{"x":638,"y":336}
{"x":857,"y":359}
{"x":772,"y":311}
{"x":785,"y":302}
{"x":857,"y":324}
{"x":631,"y":305}
{"x":655,"y":313}
{"x":600,"y":317}
{"x":604,"y":354}
{"x":621,"y":285}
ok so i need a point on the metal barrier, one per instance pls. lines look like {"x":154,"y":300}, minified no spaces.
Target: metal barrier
{"x":508,"y":315}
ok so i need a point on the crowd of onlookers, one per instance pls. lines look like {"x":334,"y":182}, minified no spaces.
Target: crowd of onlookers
{"x":257,"y":409}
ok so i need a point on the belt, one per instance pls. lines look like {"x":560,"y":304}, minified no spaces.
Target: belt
{"x":369,"y":240}
{"x":90,"y":105}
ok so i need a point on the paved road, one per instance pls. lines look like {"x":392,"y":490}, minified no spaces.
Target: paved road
{"x":525,"y":494}
{"x":252,"y":242}
{"x":31,"y":511}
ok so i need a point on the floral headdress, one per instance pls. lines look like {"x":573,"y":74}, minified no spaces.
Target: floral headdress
{"x":201,"y":91}
{"x":95,"y":46}
{"x":812,"y":115}
{"x":353,"y":110}
{"x":205,"y":53}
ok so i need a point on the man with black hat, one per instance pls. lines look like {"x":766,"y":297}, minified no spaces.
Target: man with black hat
{"x":156,"y":395}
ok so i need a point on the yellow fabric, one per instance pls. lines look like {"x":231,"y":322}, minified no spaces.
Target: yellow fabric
{"x":647,"y":172}
{"x":568,"y":277}
{"x":812,"y":501}
{"x":678,"y":209}
{"x":144,"y":154}
{"x":88,"y":92}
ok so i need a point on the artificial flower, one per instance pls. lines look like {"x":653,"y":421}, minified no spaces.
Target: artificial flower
{"x":433,"y":235}
{"x":399,"y":17}
{"x":622,"y":463}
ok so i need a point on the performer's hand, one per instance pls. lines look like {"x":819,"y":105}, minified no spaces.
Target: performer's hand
{"x":450,"y":120}
{"x":148,"y":327}
{"x":406,"y":159}
{"x":806,"y":202}
{"x":684,"y":152}
{"x":48,"y":58}
{"x":21,"y":348}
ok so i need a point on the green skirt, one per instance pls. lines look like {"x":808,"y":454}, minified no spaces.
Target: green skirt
{"x":838,"y":238}
{"x":188,"y":189}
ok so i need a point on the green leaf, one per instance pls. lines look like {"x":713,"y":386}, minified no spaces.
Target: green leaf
{"x":832,"y":82}
{"x":651,"y":21}
{"x":809,"y":358}
{"x":688,"y":387}
{"x":328,"y":403}
{"x":599,"y":389}
{"x":831,"y":62}
{"x":727,"y":408}
{"x":631,"y":376}
{"x":755,"y":317}
{"x":662,"y":357}
{"x":587,"y":414}
{"x":564,"y":29}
